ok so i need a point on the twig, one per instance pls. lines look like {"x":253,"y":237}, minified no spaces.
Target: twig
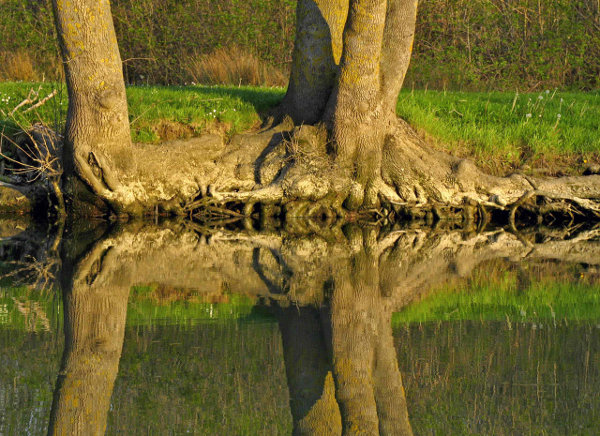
{"x":31,"y":98}
{"x":138,"y":59}
{"x":42,"y":101}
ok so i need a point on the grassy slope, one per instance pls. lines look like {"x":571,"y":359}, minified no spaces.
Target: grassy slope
{"x":501,"y":131}
{"x":510,"y":130}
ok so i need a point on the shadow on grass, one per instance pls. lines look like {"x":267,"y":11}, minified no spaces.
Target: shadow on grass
{"x":262,"y":98}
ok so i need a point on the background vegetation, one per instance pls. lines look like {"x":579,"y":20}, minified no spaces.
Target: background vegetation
{"x":468,"y":44}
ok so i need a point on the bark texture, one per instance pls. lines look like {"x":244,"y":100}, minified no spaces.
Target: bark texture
{"x":97,"y":139}
{"x":317,"y":53}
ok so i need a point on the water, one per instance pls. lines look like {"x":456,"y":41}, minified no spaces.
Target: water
{"x":406,"y":330}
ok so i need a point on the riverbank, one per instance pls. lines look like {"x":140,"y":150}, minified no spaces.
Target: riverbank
{"x":551,"y":132}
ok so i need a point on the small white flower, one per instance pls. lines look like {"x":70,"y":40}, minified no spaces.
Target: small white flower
{"x":528,"y":116}
{"x":558,"y":116}
{"x":541,"y":97}
{"x":561,"y":100}
{"x":547,"y":91}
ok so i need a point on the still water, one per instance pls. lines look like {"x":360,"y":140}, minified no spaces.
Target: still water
{"x":170,"y":329}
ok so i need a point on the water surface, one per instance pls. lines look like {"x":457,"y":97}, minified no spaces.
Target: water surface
{"x":168,"y":330}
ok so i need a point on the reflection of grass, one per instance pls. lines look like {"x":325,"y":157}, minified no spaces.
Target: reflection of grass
{"x":487,"y":296}
{"x":503,"y":299}
{"x":144,"y":309}
{"x":25,"y":309}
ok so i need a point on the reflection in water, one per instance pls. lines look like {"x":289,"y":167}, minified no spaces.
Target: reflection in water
{"x":340,"y":361}
{"x":95,"y":307}
{"x":332,"y":294}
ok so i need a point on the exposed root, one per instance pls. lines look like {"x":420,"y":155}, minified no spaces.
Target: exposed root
{"x":290,"y":172}
{"x":414,"y":182}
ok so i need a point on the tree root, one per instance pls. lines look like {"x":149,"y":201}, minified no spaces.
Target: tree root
{"x":413,"y":183}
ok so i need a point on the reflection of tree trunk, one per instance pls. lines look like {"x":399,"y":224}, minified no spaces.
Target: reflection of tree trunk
{"x":368,"y":383}
{"x":389,"y":391}
{"x":353,"y":332}
{"x":356,"y":333}
{"x":95,"y":312}
{"x":312,"y":392}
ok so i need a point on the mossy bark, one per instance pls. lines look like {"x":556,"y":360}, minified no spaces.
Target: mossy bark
{"x":317,"y":53}
{"x":97,"y":138}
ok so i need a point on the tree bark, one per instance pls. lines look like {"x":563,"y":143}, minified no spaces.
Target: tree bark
{"x":317,"y":53}
{"x":97,"y":138}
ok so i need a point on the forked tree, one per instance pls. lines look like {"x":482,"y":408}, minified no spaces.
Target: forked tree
{"x":344,"y":148}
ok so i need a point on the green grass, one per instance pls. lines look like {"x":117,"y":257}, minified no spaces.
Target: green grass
{"x":191,"y":110}
{"x":199,"y":107}
{"x":507,"y":128}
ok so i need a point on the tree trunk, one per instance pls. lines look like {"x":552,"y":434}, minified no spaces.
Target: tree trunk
{"x":317,"y":53}
{"x":368,"y":383}
{"x":97,"y":136}
{"x":349,"y":64}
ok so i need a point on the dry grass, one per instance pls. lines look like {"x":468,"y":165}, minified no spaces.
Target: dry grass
{"x":20,"y":66}
{"x":17,"y":66}
{"x":234,"y":66}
